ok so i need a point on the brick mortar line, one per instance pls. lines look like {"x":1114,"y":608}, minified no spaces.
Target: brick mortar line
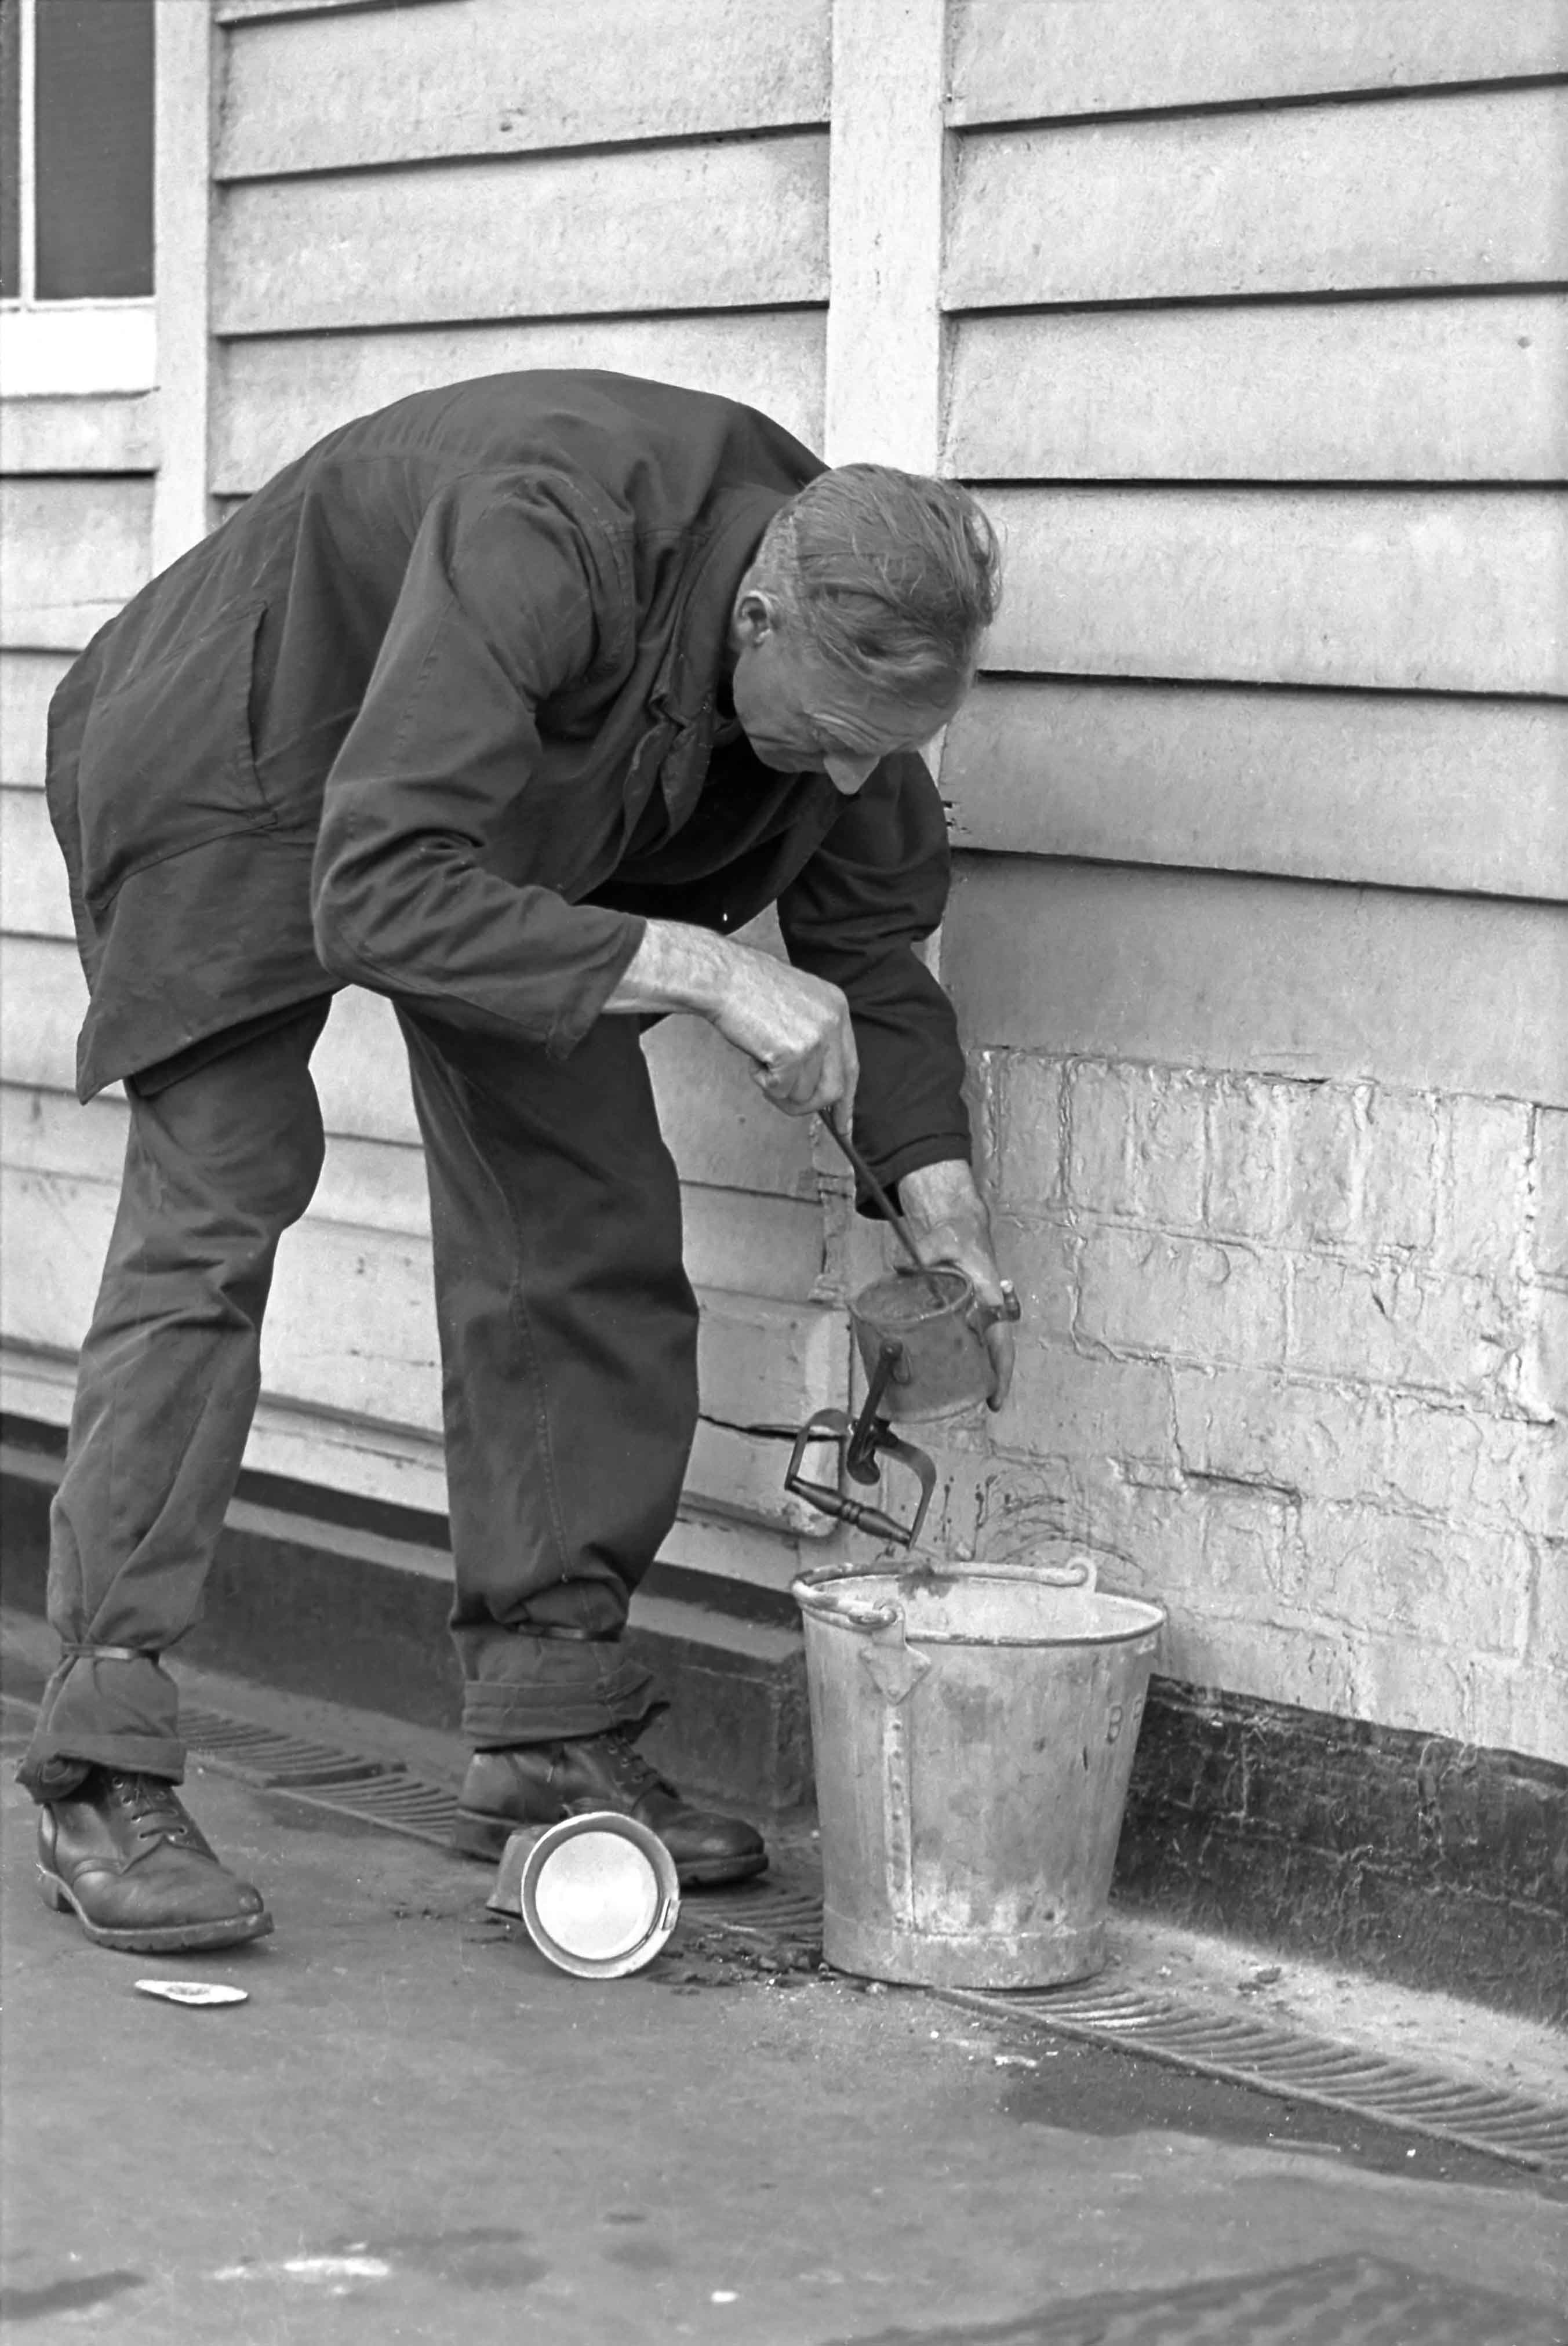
{"x":1204,"y":1094}
{"x":1272,"y":1078}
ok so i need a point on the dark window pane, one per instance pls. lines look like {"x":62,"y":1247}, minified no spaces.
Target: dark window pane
{"x":10,"y":147}
{"x":94,"y":126}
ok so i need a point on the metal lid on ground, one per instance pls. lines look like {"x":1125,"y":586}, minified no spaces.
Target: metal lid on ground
{"x":597,"y":1892}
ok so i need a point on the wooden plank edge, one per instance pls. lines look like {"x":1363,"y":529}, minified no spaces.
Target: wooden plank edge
{"x":92,"y":432}
{"x":646,"y":142}
{"x":962,"y":119}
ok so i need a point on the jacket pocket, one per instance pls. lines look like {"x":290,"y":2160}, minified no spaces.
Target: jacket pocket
{"x":167,"y":759}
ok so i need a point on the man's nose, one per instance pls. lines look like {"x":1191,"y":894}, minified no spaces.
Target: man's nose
{"x":847,"y":774}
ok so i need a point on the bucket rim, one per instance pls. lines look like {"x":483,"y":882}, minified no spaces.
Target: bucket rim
{"x":815,"y":1590}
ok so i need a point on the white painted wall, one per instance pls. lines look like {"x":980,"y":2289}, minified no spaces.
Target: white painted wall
{"x":1260,"y":943}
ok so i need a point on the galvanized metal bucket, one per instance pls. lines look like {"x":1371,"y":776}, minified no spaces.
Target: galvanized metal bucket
{"x":973,"y":1726}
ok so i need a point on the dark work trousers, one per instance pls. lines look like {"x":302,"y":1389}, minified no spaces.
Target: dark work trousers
{"x":569,"y":1339}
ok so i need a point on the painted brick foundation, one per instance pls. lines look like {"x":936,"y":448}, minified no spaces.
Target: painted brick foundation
{"x":1297,"y":1354}
{"x":1409,"y":1855}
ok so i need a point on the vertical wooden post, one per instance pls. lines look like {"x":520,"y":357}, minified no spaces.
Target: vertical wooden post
{"x":182,"y":208}
{"x":884,"y":388}
{"x":885,"y":385}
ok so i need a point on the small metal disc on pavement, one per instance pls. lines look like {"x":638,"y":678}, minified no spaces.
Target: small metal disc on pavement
{"x":193,"y":1991}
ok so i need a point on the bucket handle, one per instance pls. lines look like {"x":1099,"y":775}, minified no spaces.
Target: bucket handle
{"x":1080,"y":1571}
{"x":815,"y":1590}
{"x":893,"y":1665}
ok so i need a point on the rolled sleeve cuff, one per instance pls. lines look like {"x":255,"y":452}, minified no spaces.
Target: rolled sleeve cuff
{"x":938,"y":1149}
{"x":592,"y":987}
{"x":553,"y":1002}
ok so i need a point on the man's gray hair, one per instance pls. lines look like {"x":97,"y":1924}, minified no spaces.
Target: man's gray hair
{"x":892,"y":578}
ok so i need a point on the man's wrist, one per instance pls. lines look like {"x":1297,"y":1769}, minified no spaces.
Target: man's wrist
{"x":943,"y":1192}
{"x":677,"y":967}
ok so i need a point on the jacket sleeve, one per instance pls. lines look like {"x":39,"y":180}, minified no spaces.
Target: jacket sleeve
{"x":500,"y":605}
{"x":875,"y":888}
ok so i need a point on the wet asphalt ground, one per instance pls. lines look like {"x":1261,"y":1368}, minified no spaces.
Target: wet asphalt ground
{"x":414,"y":2129}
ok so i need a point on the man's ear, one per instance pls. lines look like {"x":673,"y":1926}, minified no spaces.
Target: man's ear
{"x":757,"y":613}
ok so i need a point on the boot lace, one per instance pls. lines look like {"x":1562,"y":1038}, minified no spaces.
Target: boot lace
{"x":636,"y":1775}
{"x":154,"y":1807}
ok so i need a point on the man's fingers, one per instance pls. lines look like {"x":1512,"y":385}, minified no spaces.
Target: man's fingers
{"x":824,"y":1077}
{"x":794,"y":1029}
{"x":851,"y":1083}
{"x":781,"y":1088}
{"x":1002,"y":1349}
{"x":797,"y":1091}
{"x":968,"y":1249}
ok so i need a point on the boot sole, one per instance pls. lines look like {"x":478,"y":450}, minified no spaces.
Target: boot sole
{"x":157,"y":1939}
{"x":485,"y":1838}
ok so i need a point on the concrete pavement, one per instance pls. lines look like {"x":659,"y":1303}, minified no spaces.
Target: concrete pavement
{"x":415,"y":2131}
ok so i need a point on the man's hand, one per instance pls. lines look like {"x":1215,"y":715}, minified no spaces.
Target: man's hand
{"x":948,"y":1222}
{"x":794,"y":1028}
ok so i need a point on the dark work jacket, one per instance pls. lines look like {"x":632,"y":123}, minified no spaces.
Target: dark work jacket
{"x":434,"y":712}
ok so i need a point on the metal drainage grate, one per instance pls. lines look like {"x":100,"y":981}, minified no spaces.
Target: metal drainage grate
{"x":399,"y":1803}
{"x":772,"y":1910}
{"x":237,"y":1747}
{"x":1351,"y":2300}
{"x":377,"y":1791}
{"x":1301,"y":2067}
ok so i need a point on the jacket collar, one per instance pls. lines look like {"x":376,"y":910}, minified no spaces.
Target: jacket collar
{"x":685,"y":689}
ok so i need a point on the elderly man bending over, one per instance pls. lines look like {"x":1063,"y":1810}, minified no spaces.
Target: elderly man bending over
{"x":510,"y":702}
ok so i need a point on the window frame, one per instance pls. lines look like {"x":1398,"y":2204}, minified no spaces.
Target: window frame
{"x":76,"y":348}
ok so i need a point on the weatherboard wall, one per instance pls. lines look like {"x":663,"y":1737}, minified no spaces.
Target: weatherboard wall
{"x":1246,"y":323}
{"x":1254,"y":354}
{"x":388,"y":198}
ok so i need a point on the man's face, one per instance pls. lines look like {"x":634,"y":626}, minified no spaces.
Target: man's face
{"x":802,"y":715}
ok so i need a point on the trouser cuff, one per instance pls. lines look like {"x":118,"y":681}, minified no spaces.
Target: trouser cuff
{"x":598,"y":1688}
{"x":114,"y":1710}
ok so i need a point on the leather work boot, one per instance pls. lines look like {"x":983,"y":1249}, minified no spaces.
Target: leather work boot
{"x":540,"y":1783}
{"x":123,"y":1856}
